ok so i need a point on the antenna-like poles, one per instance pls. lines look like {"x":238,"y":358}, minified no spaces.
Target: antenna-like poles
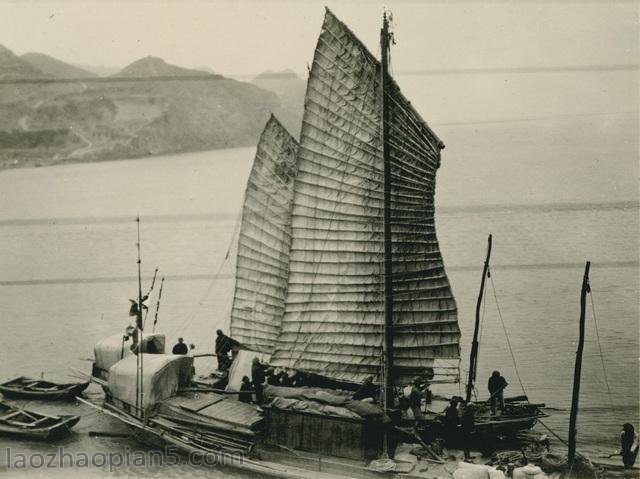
{"x":155,"y":320}
{"x":139,"y":327}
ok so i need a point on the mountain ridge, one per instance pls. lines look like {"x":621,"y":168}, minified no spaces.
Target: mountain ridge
{"x":12,"y":67}
{"x":150,"y":107}
{"x":151,"y":67}
{"x":54,"y":67}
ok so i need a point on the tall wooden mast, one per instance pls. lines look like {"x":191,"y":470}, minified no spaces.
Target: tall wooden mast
{"x":473,"y":356}
{"x":140,"y":326}
{"x":578,"y":368}
{"x":388,"y":284}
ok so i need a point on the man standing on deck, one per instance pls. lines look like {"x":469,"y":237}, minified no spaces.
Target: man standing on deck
{"x":257,"y":378}
{"x":496,"y":388}
{"x":180,"y":347}
{"x":451,"y":420}
{"x":628,"y":445}
{"x":245,"y":390}
{"x":415,"y":399}
{"x":224,"y":344}
{"x":467,"y":429}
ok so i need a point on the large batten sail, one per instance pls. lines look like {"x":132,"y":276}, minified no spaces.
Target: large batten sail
{"x":425,"y":318}
{"x":334,"y":315}
{"x":265,"y":237}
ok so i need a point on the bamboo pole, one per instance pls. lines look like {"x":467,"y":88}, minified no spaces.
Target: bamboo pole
{"x":473,"y":356}
{"x":578,"y":369}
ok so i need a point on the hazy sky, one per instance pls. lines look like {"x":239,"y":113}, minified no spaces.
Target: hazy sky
{"x":567,"y":71}
{"x":245,"y":38}
{"x":248,"y":37}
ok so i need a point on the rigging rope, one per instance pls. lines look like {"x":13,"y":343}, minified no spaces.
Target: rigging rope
{"x":513,"y":358}
{"x":604,"y":369}
{"x":191,"y":316}
{"x":552,"y":432}
{"x":484,"y":307}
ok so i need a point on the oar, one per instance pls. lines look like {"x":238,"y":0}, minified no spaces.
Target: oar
{"x":610,"y":455}
{"x":107,"y":434}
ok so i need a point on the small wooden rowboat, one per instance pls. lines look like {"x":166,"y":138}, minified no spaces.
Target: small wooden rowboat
{"x":28,"y":388}
{"x":33,"y":425}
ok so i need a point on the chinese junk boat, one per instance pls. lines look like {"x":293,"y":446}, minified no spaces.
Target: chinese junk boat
{"x":339,"y":277}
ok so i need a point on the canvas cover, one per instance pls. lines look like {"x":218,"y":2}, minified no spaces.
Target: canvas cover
{"x":163,"y":375}
{"x":333,"y":323}
{"x":241,"y":366}
{"x":265,"y":237}
{"x":112,"y":349}
{"x":109,"y":351}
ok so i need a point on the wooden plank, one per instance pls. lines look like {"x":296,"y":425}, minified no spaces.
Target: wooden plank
{"x":283,"y":429}
{"x":234,"y":412}
{"x":200,"y":401}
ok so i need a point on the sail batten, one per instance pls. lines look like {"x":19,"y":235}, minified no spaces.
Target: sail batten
{"x":264,"y":241}
{"x":333,"y":322}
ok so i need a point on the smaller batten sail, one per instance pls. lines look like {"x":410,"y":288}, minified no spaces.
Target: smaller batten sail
{"x":262,"y":264}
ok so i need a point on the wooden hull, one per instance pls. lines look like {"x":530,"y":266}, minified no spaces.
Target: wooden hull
{"x":507,"y":427}
{"x":45,"y":433}
{"x":22,"y":388}
{"x":25,"y":424}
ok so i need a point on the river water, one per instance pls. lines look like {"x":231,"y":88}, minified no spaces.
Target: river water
{"x":68,"y":268}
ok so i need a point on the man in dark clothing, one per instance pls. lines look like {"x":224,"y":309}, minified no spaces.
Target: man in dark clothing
{"x":468,"y":427}
{"x":224,"y":344}
{"x":180,"y":347}
{"x":428,"y":395}
{"x":415,"y":400}
{"x":451,"y":420}
{"x":628,"y":445}
{"x":245,"y":390}
{"x":366,"y":390}
{"x":496,"y":388}
{"x":258,"y":378}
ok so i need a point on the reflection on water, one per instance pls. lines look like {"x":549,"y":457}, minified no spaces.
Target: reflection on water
{"x":67,"y":270}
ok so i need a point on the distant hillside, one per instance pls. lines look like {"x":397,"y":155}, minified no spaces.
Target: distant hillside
{"x":12,"y":67}
{"x":54,"y":67}
{"x":290,"y":89}
{"x":150,"y":67}
{"x":44,"y":124}
{"x":287,"y":74}
{"x":99,"y":70}
{"x":156,"y":112}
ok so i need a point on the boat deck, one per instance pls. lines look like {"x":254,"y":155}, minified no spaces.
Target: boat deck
{"x":215,"y":407}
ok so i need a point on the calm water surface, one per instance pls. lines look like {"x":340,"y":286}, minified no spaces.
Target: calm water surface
{"x":67,"y":270}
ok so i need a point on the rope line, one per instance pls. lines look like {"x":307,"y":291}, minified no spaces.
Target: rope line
{"x":604,"y":369}
{"x":553,"y":433}
{"x":513,"y":357}
{"x":191,"y":316}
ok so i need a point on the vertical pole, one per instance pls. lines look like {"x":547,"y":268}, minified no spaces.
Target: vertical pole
{"x":578,"y":369}
{"x":388,"y":285}
{"x":155,"y":321}
{"x":473,"y":356}
{"x":140,"y":327}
